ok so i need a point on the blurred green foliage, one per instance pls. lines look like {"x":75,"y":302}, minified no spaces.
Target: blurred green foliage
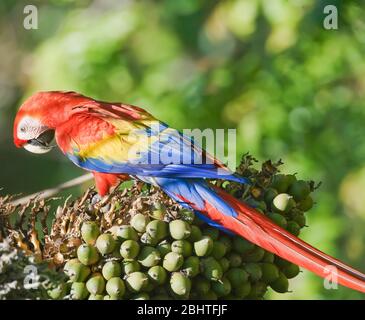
{"x":291,"y":88}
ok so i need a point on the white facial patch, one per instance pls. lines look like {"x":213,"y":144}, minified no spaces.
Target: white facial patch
{"x":29,"y":128}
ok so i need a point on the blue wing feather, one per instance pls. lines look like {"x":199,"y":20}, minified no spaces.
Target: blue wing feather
{"x":208,"y":171}
{"x":199,"y":193}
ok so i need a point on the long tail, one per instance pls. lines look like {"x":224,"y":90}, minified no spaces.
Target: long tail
{"x":228,"y":212}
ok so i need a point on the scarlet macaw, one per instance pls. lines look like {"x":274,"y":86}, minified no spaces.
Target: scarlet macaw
{"x":100,"y":137}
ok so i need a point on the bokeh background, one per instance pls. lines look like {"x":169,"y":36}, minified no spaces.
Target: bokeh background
{"x":291,"y":88}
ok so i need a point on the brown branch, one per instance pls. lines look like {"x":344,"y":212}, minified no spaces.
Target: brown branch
{"x":53,"y":191}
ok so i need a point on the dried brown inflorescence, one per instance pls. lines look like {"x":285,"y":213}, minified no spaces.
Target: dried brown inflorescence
{"x":27,"y":225}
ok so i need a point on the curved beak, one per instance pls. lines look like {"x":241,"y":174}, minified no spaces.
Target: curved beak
{"x":41,"y":144}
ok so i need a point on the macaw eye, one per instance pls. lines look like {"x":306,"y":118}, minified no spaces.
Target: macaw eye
{"x":22,"y":129}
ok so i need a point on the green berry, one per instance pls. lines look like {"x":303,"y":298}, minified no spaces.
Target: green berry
{"x":158,"y":211}
{"x":269,"y":195}
{"x":227,"y":242}
{"x":254,"y":255}
{"x":254,"y":271}
{"x":235,"y":260}
{"x":150,"y":287}
{"x":58,"y":292}
{"x":291,"y":178}
{"x":258,"y":290}
{"x":129,"y":249}
{"x":278,"y":219}
{"x":299,"y":190}
{"x":281,"y":284}
{"x":291,"y":270}
{"x":180,"y":284}
{"x":222,"y":288}
{"x":281,"y":263}
{"x":111,"y":269}
{"x":139,"y":222}
{"x":203,"y":247}
{"x":179,"y":229}
{"x":183,"y":247}
{"x":201,"y":285}
{"x":96,"y":284}
{"x":268,"y":257}
{"x":105,"y":243}
{"x":115,"y":287}
{"x":78,"y":291}
{"x":270,"y":272}
{"x":237,"y":276}
{"x":191,"y":266}
{"x":87,"y":254}
{"x":90,"y":232}
{"x":130,"y":266}
{"x":76,"y":271}
{"x":124,"y":232}
{"x":243,"y":290}
{"x":164,"y":248}
{"x":148,"y":240}
{"x":157,"y":275}
{"x":149,"y":257}
{"x":195,"y":233}
{"x":157,"y":229}
{"x":224,"y":262}
{"x":293,"y":228}
{"x":219,"y":250}
{"x":280,"y":182}
{"x":300,"y":219}
{"x":212,"y":270}
{"x":69,"y":263}
{"x":306,"y":204}
{"x":241,"y":245}
{"x":172,"y":261}
{"x":187,"y":215}
{"x":283,"y":203}
{"x":136,"y":281}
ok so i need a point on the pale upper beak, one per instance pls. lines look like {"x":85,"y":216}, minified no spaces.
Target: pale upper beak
{"x":41,"y":144}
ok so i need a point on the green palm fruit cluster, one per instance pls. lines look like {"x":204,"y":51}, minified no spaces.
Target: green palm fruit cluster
{"x":157,"y":256}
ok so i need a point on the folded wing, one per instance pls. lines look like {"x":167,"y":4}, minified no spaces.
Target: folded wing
{"x":105,"y":141}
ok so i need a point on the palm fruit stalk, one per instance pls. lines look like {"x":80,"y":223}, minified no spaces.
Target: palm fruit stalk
{"x":139,"y":244}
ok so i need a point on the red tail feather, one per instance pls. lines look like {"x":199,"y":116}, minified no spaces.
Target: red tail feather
{"x":257,"y":228}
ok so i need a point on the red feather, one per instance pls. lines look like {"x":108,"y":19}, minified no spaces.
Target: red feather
{"x":105,"y":181}
{"x":82,"y":129}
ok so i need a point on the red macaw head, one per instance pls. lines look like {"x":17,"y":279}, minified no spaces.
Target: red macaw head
{"x":38,"y":117}
{"x":32,"y":135}
{"x":30,"y":130}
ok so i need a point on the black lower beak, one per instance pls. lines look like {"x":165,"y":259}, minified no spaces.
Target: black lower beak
{"x":44,"y":139}
{"x":36,"y":143}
